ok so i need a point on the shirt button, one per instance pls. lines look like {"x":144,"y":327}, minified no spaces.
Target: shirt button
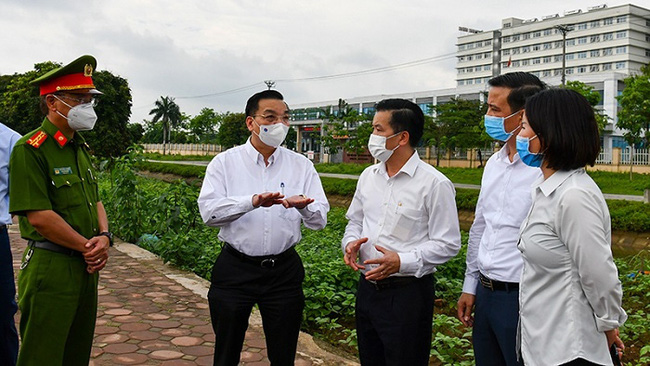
{"x":90,"y":203}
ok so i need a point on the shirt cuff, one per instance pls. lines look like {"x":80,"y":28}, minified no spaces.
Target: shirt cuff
{"x":470,"y":284}
{"x":408,"y":263}
{"x":603,"y":324}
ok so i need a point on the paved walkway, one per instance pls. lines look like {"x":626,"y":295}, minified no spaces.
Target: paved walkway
{"x":152,"y":314}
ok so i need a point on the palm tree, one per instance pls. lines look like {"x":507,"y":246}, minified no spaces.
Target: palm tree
{"x":169,"y":114}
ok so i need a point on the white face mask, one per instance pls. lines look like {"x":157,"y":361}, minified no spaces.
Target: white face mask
{"x":81,"y":117}
{"x":272,"y":135}
{"x":377,"y":147}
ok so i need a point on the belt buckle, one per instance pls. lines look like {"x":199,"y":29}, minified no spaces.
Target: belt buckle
{"x":268,"y":263}
{"x":486,"y":282}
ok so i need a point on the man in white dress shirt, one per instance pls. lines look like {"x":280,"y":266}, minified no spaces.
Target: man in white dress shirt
{"x":403,"y":223}
{"x":258,"y":194}
{"x":493,"y":261}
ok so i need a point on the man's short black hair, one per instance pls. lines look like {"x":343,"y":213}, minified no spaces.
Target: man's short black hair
{"x":517,"y":97}
{"x":253,"y":103}
{"x":516,"y":80}
{"x":405,"y":116}
{"x":566,"y":126}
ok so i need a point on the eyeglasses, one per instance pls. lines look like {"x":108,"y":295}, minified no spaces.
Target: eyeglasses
{"x":88,"y":99}
{"x":272,"y":118}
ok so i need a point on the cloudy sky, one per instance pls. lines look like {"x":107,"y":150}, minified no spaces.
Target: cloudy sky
{"x":216,"y":53}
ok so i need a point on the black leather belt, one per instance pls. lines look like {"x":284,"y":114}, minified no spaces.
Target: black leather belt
{"x":3,"y":227}
{"x":266,"y":261}
{"x":497,"y":285}
{"x":392,"y":282}
{"x":48,"y":245}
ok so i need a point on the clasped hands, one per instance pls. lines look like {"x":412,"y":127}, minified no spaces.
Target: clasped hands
{"x":268,"y":199}
{"x":387,"y":265}
{"x":96,"y":254}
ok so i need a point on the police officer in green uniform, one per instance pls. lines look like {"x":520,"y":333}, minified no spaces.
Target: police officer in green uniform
{"x":56,"y":197}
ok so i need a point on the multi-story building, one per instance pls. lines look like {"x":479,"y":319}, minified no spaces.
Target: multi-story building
{"x":600,"y":46}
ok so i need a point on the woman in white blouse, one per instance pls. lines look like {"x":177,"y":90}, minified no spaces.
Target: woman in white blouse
{"x":570,"y":295}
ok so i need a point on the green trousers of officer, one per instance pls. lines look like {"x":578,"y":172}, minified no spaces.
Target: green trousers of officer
{"x":58,"y":303}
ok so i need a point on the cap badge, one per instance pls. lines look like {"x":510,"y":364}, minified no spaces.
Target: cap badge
{"x":88,"y":70}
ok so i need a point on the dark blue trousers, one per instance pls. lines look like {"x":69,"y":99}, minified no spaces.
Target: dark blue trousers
{"x":8,"y":307}
{"x":496,"y":314}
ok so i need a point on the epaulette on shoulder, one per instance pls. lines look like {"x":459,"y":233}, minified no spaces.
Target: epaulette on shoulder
{"x":37,"y":139}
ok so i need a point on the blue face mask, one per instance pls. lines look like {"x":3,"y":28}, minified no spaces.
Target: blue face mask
{"x":495,"y":128}
{"x":529,"y":158}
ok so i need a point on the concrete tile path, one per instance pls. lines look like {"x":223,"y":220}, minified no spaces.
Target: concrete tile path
{"x":152,"y":314}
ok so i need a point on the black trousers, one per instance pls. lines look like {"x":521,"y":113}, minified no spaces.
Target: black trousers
{"x":237,"y":286}
{"x":394,"y":324}
{"x":8,"y":307}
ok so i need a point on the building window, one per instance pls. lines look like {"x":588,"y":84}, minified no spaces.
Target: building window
{"x":558,"y":58}
{"x":595,"y":53}
{"x":548,"y":32}
{"x":537,"y":47}
{"x":621,"y":19}
{"x":470,"y":46}
{"x":461,"y":59}
{"x":488,"y":42}
{"x":607,"y":67}
{"x":506,"y":52}
{"x":569,"y":70}
{"x":582,"y":55}
{"x":547,"y":59}
{"x":608,"y":51}
{"x":515,"y":50}
{"x":516,"y":37}
{"x":595,"y":39}
{"x":608,"y":36}
{"x":647,"y":38}
{"x":537,"y":61}
{"x":647,"y":53}
{"x":620,"y":65}
{"x":525,"y":49}
{"x":608,"y":21}
{"x":479,"y":56}
{"x":470,"y":58}
{"x":525,"y":36}
{"x":487,"y":54}
{"x":461,"y":82}
{"x":547,"y":73}
{"x":477,"y":68}
{"x":558,"y":44}
{"x":582,"y":40}
{"x":478,"y":81}
{"x":594,"y":68}
{"x":515,"y":63}
{"x":461,"y":47}
{"x":557,"y":72}
{"x":621,"y":34}
{"x":507,"y":25}
{"x":469,"y":81}
{"x":582,"y":70}
{"x":537,"y":34}
{"x":547,"y":45}
{"x":621,"y":49}
{"x":571,"y":42}
{"x":569,"y":56}
{"x":505,"y":39}
{"x":525,"y":62}
{"x":595,"y":24}
{"x":487,"y":67}
{"x":582,"y":26}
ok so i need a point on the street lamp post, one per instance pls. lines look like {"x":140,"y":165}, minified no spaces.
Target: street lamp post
{"x":564,"y":29}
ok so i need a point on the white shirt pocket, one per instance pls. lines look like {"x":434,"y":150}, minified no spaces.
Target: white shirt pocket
{"x":405,"y":222}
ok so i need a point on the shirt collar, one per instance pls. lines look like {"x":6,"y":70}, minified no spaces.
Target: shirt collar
{"x":503,"y":155}
{"x":408,"y":168}
{"x":59,"y":137}
{"x":256,"y":157}
{"x":549,"y":185}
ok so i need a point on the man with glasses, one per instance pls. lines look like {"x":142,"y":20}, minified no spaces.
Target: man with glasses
{"x":54,"y":192}
{"x":258,"y":194}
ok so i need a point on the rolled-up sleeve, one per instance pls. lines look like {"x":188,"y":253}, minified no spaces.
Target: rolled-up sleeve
{"x":314,"y":216}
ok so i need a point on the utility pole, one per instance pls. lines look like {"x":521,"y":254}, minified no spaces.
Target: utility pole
{"x":269,"y":83}
{"x":564,"y":29}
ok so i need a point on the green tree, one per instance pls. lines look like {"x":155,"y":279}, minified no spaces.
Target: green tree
{"x":203,"y":127}
{"x":136,"y":131}
{"x":290,"y":141}
{"x":457,"y":124}
{"x":345,"y":129}
{"x":593,"y":97}
{"x":168,"y":112}
{"x":20,"y":110}
{"x":634,"y":111}
{"x":232,"y":129}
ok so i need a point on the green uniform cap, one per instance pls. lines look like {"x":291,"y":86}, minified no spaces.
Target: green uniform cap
{"x":73,"y":76}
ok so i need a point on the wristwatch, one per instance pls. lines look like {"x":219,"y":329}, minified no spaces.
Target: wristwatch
{"x":109,"y":235}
